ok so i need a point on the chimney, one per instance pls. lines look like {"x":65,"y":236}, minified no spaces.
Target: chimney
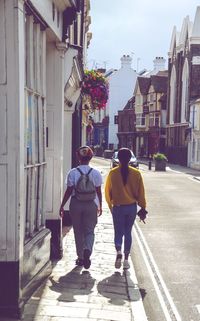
{"x":159,"y":64}
{"x":126,"y":61}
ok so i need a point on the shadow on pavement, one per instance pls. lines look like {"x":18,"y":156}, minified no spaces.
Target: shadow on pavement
{"x":76,"y":282}
{"x":114,"y":287}
{"x":135,"y":293}
{"x":143,"y":293}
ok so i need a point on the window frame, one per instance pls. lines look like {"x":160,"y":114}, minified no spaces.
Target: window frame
{"x":140,"y":120}
{"x":35,"y":125}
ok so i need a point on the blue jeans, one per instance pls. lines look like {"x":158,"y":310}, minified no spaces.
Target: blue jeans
{"x":123,"y":220}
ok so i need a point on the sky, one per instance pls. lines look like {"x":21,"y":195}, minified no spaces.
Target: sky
{"x":139,"y":28}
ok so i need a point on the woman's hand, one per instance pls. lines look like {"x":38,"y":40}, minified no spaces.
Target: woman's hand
{"x":142,"y":213}
{"x":61,"y":212}
{"x":99,"y":211}
{"x":66,"y":196}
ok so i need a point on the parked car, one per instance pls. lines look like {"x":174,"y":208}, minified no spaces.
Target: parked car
{"x":115,"y":161}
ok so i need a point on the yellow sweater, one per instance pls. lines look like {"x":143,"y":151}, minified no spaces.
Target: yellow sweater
{"x":118,"y":194}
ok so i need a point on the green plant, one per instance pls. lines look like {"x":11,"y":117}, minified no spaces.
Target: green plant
{"x":159,"y":157}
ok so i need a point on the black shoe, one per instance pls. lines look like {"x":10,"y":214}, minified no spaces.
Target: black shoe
{"x":86,"y":259}
{"x":79,"y":262}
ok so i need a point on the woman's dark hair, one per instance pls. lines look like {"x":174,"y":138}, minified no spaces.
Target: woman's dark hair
{"x":124,"y":156}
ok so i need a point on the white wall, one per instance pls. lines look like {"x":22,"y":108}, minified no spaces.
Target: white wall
{"x":121,"y":88}
{"x":60,"y":62}
{"x":55,"y":124}
{"x":44,"y":7}
{"x":194,"y":143}
{"x":3,"y":136}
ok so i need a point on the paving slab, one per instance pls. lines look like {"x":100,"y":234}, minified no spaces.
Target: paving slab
{"x":101,"y":293}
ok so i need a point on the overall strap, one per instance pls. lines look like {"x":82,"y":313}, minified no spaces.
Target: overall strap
{"x":89,"y":171}
{"x":80,"y":171}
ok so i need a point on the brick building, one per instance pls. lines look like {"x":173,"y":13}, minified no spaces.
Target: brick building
{"x":126,"y":126}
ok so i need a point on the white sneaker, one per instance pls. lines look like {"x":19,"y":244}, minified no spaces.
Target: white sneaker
{"x":118,"y":261}
{"x":126,"y":265}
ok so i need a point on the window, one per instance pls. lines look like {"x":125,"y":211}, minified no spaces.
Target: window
{"x":151,"y":107}
{"x":35,"y":102}
{"x":184,"y":98}
{"x":151,"y":99}
{"x":193,"y":117}
{"x":193,"y":150}
{"x":198,"y":150}
{"x":154,"y":120}
{"x":116,"y":119}
{"x":138,"y":100}
{"x":53,"y":11}
{"x":157,"y":120}
{"x":163,"y":118}
{"x":140,"y":120}
{"x":172,"y":101}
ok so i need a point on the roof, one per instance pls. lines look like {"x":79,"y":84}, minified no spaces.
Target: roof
{"x":162,"y":73}
{"x":144,"y":84}
{"x":159,"y":83}
{"x":163,"y":98}
{"x":130,"y":103}
{"x":109,"y":72}
{"x":196,"y":25}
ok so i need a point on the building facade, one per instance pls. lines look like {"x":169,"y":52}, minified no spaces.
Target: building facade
{"x":121,"y":87}
{"x":41,"y":66}
{"x":194,"y":135}
{"x":194,"y":104}
{"x":141,"y":122}
{"x":183,"y":94}
{"x":126,"y":126}
{"x":150,"y":114}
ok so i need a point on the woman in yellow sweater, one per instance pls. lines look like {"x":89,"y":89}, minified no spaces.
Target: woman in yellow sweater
{"x":124,"y":190}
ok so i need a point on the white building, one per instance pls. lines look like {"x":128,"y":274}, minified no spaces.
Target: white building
{"x":158,"y":66}
{"x":194,"y":142}
{"x":121,"y":87}
{"x":194,"y":120}
{"x":41,"y":52}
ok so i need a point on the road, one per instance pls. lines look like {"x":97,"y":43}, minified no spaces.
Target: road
{"x":166,"y":250}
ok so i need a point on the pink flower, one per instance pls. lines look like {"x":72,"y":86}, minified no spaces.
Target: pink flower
{"x":96,"y":85}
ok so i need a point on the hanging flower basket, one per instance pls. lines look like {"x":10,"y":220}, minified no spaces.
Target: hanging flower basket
{"x":96,"y":86}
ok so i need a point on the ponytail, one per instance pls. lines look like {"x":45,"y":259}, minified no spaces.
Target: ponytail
{"x":124,"y":156}
{"x":124,"y":172}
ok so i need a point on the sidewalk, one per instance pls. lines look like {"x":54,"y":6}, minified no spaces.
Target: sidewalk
{"x":98,"y":294}
{"x":101,"y":293}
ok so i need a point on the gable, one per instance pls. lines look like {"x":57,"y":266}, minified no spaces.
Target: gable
{"x":144,"y":84}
